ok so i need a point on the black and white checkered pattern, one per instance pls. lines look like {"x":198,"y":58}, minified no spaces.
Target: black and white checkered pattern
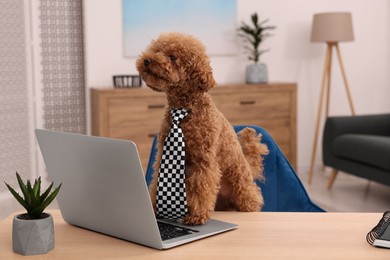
{"x":171,"y":200}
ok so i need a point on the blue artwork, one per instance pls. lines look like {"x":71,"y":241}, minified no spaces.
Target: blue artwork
{"x":211,"y":21}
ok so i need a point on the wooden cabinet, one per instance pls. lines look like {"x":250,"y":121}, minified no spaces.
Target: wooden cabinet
{"x":136,"y":114}
{"x":132,"y":114}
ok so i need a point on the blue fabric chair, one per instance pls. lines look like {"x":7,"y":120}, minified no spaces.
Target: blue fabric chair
{"x":282,"y":189}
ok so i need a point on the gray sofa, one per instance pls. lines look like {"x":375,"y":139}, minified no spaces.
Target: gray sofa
{"x":358,"y":145}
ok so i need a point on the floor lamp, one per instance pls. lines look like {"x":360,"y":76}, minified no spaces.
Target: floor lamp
{"x":330,"y":28}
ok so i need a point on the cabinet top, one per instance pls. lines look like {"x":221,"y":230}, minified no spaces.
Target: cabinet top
{"x":221,"y":87}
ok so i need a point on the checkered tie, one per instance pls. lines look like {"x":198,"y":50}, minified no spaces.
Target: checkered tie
{"x":171,"y":200}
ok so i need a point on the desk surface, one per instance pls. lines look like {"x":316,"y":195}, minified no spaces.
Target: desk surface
{"x":261,"y":235}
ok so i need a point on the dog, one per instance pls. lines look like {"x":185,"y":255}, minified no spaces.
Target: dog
{"x":220,"y":166}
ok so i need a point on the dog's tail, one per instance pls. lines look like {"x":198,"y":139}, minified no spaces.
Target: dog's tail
{"x":253,"y":150}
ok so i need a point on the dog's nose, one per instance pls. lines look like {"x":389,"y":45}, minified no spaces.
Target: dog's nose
{"x":147,"y":62}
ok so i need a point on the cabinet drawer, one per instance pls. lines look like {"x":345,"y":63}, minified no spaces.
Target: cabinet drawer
{"x":245,"y":107}
{"x":124,"y":112}
{"x":135,"y":133}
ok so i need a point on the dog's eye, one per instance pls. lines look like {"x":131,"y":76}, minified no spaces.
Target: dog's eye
{"x":172,"y":57}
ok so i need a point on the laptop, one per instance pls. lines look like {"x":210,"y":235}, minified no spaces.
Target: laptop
{"x":104,"y":190}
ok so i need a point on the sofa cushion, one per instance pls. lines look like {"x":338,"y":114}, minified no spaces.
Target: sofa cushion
{"x":370,"y":149}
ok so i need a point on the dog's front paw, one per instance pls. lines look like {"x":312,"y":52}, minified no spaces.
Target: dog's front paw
{"x":250,"y":204}
{"x":196,"y":219}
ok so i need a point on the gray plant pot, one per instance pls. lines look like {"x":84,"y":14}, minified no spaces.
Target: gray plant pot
{"x":256,"y":73}
{"x":32,"y":236}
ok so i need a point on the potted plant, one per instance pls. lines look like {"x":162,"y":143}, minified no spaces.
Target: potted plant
{"x":253,"y":35}
{"x":33,"y":232}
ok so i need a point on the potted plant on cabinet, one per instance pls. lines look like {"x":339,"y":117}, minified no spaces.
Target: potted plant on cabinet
{"x":33,"y":232}
{"x":253,"y":35}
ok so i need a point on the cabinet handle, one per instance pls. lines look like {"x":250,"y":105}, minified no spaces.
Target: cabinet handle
{"x":247,"y":102}
{"x":151,"y":135}
{"x":158,"y":106}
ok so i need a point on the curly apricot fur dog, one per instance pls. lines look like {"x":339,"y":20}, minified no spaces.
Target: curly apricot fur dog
{"x":177,"y":64}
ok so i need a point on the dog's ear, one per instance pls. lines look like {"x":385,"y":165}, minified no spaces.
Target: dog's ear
{"x":201,"y":75}
{"x":206,"y":79}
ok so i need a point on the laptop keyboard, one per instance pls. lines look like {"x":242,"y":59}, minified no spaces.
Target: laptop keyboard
{"x":169,"y":231}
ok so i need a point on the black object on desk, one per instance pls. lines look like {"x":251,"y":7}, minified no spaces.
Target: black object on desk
{"x":380,"y":234}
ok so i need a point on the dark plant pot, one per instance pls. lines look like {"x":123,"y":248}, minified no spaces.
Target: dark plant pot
{"x":32,"y":236}
{"x":256,"y":73}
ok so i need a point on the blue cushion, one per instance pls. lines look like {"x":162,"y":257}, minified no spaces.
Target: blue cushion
{"x":282,"y":189}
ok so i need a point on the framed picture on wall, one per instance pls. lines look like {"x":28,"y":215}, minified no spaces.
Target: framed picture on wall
{"x":211,"y":21}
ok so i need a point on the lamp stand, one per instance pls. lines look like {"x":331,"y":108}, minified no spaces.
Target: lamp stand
{"x":326,"y":87}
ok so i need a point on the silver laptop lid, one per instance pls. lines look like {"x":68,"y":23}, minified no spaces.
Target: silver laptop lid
{"x":103,"y":185}
{"x":104,"y":189}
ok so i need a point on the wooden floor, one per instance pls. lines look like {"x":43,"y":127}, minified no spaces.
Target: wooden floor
{"x":349,"y":193}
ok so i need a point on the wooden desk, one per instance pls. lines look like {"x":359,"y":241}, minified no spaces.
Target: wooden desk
{"x":260,"y":236}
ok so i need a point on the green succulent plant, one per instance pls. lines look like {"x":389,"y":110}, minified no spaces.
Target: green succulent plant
{"x":253,"y":36}
{"x":33,"y":201}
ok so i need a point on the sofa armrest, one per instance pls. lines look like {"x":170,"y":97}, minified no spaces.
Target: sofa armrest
{"x":364,"y":124}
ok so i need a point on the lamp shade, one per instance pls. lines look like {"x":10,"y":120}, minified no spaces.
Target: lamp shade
{"x":332,"y":27}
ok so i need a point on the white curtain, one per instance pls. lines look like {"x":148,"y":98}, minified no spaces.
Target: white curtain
{"x":41,"y":83}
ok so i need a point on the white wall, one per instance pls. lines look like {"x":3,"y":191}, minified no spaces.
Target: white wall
{"x":292,"y":57}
